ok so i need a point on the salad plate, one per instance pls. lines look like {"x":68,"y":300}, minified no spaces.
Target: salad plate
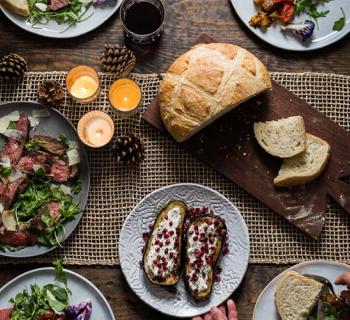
{"x":323,"y":35}
{"x":94,"y":16}
{"x":265,"y":306}
{"x":53,"y":124}
{"x":81,"y":289}
{"x":175,"y":300}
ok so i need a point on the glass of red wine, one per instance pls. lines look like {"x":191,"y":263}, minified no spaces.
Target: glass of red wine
{"x":143,"y":20}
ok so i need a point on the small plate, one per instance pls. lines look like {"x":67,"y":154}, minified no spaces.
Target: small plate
{"x":81,"y":288}
{"x":53,"y":126}
{"x":101,"y":13}
{"x":323,"y":34}
{"x":265,"y":306}
{"x":175,"y":301}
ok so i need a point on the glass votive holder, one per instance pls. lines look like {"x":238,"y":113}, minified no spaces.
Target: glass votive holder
{"x":125,"y":97}
{"x":83,"y":84}
{"x":142,"y":20}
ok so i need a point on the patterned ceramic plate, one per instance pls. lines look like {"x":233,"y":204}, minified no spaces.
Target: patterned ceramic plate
{"x":176,"y":301}
{"x":265,"y":306}
{"x":81,"y":288}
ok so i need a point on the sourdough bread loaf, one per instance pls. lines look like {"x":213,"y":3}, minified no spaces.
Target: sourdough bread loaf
{"x":282,"y":138}
{"x":17,"y":6}
{"x":296,"y":296}
{"x":206,"y":82}
{"x":305,"y":166}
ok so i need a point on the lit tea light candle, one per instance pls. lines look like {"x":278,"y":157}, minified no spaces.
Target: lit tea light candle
{"x":83,"y":84}
{"x":125,"y":95}
{"x":96,"y":129}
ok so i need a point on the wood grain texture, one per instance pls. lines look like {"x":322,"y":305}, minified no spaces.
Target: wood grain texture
{"x":127,"y":306}
{"x":186,"y":19}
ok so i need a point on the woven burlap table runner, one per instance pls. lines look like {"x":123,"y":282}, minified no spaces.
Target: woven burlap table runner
{"x":116,"y":189}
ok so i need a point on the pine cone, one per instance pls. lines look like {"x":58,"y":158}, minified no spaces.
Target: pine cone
{"x":50,"y":93}
{"x":129,"y":149}
{"x":118,"y":60}
{"x":12,"y":67}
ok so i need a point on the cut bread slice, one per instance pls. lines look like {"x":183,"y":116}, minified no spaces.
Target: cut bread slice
{"x":282,"y":138}
{"x":306,"y":166}
{"x":297,"y":296}
{"x":17,"y":6}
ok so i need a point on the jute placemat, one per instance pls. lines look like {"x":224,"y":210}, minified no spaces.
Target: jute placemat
{"x":116,"y":189}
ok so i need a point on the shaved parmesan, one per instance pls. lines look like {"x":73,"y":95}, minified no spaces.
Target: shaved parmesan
{"x":13,"y":134}
{"x":73,"y":145}
{"x":6,"y":120}
{"x":41,"y":113}
{"x":73,"y":157}
{"x":41,"y":6}
{"x":15,"y":175}
{"x":2,"y":207}
{"x":5,"y":162}
{"x":9,"y":220}
{"x":34,"y":121}
{"x":66,"y":190}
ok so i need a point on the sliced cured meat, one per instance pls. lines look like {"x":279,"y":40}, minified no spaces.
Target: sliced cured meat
{"x":50,"y":144}
{"x":33,"y":160}
{"x":13,"y":149}
{"x":53,"y":208}
{"x":58,"y":4}
{"x":5,"y":314}
{"x":12,"y":190}
{"x":60,"y":171}
{"x":18,"y":238}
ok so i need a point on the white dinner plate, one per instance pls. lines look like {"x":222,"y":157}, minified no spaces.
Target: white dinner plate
{"x":323,"y":34}
{"x":265,"y":306}
{"x":82,"y":289}
{"x":175,"y":301}
{"x":101,"y":13}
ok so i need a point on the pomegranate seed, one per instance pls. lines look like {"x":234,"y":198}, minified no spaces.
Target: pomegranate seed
{"x":171,"y":232}
{"x":210,"y":222}
{"x":205,"y":229}
{"x":166,"y":236}
{"x":166,"y":251}
{"x":157,"y":242}
{"x":167,"y":241}
{"x":216,"y":223}
{"x":195,"y":238}
{"x":170,"y":223}
{"x":217,"y":278}
{"x":225,"y":251}
{"x":171,"y":254}
{"x":145,"y":235}
{"x":155,"y":261}
{"x":159,"y":235}
{"x":218,"y":269}
{"x":160,"y":244}
{"x":163,"y":258}
{"x":157,"y":249}
{"x":165,"y":230}
{"x":158,"y":257}
{"x":166,"y":217}
{"x":211,"y":241}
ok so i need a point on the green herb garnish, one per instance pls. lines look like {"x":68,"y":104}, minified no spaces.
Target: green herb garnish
{"x":311,"y":8}
{"x":5,"y":171}
{"x":32,"y":145}
{"x":76,"y":187}
{"x":64,"y":139}
{"x":339,"y":24}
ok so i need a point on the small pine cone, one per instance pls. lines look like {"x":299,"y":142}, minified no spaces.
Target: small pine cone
{"x":12,"y":67}
{"x":50,"y":93}
{"x":118,"y":60}
{"x":129,"y":149}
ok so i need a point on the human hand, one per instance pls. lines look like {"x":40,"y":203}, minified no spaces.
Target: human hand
{"x":220,"y":313}
{"x":344,"y":279}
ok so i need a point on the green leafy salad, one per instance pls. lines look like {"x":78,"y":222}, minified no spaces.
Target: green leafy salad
{"x":51,"y":301}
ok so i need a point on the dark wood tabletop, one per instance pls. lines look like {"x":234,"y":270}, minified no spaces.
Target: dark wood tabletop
{"x":186,"y":19}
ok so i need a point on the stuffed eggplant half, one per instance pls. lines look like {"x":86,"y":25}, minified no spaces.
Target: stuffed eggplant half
{"x":205,"y":239}
{"x":162,"y":254}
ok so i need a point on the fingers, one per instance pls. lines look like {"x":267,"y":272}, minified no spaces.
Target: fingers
{"x":217,"y":314}
{"x":197,"y":318}
{"x":208,"y":316}
{"x":222,"y":308}
{"x":344,"y":279}
{"x":232,"y":310}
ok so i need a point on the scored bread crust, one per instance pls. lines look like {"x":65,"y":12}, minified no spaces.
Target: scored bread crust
{"x":281,"y":308}
{"x":289,"y":177}
{"x":206,"y":82}
{"x":283,"y":138}
{"x":17,"y":6}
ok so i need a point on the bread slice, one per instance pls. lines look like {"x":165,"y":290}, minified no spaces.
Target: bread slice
{"x":296,"y":296}
{"x":306,"y":166}
{"x":17,"y":6}
{"x":282,"y":138}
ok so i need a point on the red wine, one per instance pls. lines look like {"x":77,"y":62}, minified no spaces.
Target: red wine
{"x":143,"y":18}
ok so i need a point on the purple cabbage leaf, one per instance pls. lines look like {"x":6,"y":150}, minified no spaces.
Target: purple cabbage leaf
{"x":302,"y":30}
{"x":80,"y":311}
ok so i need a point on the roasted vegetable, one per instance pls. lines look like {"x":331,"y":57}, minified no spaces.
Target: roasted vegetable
{"x":261,"y":19}
{"x":301,"y":30}
{"x":162,"y":254}
{"x":205,"y":238}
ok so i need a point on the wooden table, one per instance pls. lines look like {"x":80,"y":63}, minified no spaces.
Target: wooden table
{"x":186,"y":19}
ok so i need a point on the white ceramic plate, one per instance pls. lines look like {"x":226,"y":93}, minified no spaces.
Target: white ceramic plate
{"x":323,"y":35}
{"x":265,"y":306}
{"x":81,"y":288}
{"x":101,"y":13}
{"x":175,"y":301}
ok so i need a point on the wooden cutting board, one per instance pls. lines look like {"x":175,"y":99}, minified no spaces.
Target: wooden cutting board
{"x":229,"y":146}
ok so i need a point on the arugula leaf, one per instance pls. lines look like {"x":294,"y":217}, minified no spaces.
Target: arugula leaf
{"x":32,"y":145}
{"x":12,"y":125}
{"x":64,"y":139}
{"x":76,"y":187}
{"x":6,"y":247}
{"x":340,"y":24}
{"x":5,"y":171}
{"x":60,"y":274}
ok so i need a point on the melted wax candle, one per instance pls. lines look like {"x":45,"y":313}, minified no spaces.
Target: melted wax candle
{"x":84,"y":87}
{"x":125,"y":95}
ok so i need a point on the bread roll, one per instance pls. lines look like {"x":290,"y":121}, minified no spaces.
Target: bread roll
{"x":17,"y":6}
{"x":205,"y":83}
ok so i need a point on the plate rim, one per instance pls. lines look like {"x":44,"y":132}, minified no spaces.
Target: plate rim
{"x":341,"y":36}
{"x":301,"y":264}
{"x":72,"y":273}
{"x":82,"y":149}
{"x":245,"y":230}
{"x":32,"y":30}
